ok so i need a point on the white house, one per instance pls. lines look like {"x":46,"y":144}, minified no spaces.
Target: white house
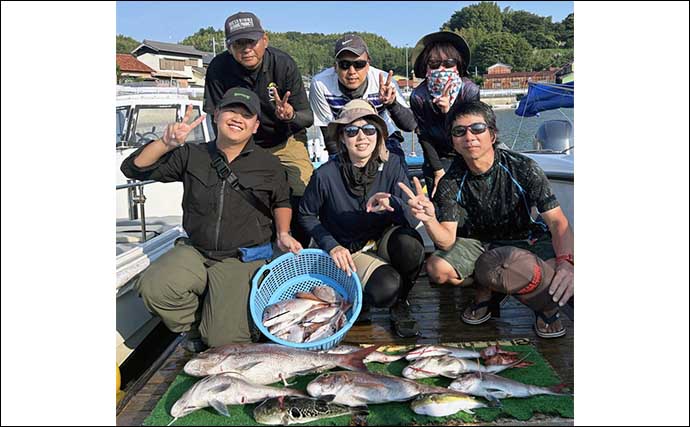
{"x":183,"y":65}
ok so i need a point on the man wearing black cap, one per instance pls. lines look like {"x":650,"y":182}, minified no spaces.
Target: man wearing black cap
{"x":352,"y":77}
{"x":233,"y":190}
{"x":273,"y":75}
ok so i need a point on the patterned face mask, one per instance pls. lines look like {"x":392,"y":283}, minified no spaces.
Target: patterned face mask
{"x":436,"y":81}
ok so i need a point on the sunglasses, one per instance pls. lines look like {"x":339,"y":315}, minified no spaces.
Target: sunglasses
{"x":351,"y":130}
{"x":345,"y":64}
{"x":475,"y":128}
{"x":447,"y":63}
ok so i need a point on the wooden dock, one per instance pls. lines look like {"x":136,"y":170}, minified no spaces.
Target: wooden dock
{"x":436,"y":308}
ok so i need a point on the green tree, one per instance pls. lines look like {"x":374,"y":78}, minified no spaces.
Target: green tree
{"x":506,"y":48}
{"x":539,"y":31}
{"x":485,"y":15}
{"x":118,"y":73}
{"x":125,"y":44}
{"x":203,"y":40}
{"x":565,"y":31}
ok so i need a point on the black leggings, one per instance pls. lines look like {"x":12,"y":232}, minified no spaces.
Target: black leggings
{"x":389,"y":283}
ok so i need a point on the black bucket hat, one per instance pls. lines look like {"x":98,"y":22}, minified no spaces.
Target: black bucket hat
{"x":441,"y":36}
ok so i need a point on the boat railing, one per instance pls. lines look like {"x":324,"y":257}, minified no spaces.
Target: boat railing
{"x":136,"y":199}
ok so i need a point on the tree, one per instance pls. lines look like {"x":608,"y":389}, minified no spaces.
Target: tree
{"x":565,"y":31}
{"x":118,"y":73}
{"x":537,"y":30}
{"x":203,"y":40}
{"x":506,"y":48}
{"x":485,"y":15}
{"x":125,"y":44}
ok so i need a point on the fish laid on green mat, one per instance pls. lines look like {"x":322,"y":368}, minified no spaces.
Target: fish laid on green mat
{"x":539,"y":374}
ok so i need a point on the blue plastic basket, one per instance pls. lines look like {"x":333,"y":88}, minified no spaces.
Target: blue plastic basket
{"x":288,"y":274}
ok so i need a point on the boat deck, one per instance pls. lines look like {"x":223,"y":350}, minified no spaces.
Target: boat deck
{"x":436,"y":308}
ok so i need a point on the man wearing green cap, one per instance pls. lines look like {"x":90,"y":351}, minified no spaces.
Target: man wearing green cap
{"x":233,"y":190}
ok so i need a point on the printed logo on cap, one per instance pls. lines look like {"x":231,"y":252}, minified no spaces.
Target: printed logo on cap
{"x":243,"y":95}
{"x":240,"y":23}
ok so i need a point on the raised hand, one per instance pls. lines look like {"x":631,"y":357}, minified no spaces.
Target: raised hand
{"x":343,"y":260}
{"x":387,"y":90}
{"x":284,"y":111}
{"x":379,"y":202}
{"x":176,"y":133}
{"x":419,"y":204}
{"x":443,"y":101}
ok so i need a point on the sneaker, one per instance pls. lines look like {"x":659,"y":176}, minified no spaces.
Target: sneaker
{"x":193,"y":345}
{"x":364,"y":317}
{"x":404,"y":325}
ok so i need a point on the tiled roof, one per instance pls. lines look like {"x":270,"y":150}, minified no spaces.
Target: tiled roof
{"x":128,"y":62}
{"x":172,"y":48}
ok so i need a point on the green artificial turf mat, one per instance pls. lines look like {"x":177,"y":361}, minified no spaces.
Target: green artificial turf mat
{"x":398,"y":413}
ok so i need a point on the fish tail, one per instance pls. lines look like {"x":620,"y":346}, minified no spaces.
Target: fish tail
{"x":355,"y":361}
{"x":558,"y":389}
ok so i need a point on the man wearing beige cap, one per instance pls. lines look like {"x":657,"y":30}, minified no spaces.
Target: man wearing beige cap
{"x":273,"y":75}
{"x":352,"y":77}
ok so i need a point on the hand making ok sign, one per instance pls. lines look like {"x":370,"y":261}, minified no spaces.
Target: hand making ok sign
{"x":284,"y":111}
{"x":419,"y":203}
{"x":176,"y":133}
{"x":387,"y":90}
{"x":443,"y":101}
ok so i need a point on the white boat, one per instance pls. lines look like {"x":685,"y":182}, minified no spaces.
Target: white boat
{"x":140,"y":119}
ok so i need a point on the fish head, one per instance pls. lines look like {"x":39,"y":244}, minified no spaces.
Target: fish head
{"x":465,"y":383}
{"x":421,"y":368}
{"x":325,"y":385}
{"x":201,"y":366}
{"x":271,"y":411}
{"x":192,"y":400}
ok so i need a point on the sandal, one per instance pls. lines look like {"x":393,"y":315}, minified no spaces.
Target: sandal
{"x":547,"y":321}
{"x":494,"y":304}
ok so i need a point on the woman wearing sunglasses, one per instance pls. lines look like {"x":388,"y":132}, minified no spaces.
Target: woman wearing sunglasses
{"x":442,"y":58}
{"x":355,"y":211}
{"x":483,"y":223}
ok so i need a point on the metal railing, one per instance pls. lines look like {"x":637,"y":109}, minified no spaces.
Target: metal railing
{"x":136,"y":198}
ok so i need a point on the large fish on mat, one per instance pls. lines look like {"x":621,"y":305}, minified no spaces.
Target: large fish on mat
{"x":448,"y":366}
{"x":361,"y":388}
{"x":376,"y":356}
{"x":444,"y":404}
{"x":218,"y":391}
{"x":295,"y":410}
{"x":461,"y":353}
{"x":495,"y":387}
{"x":270,"y":363}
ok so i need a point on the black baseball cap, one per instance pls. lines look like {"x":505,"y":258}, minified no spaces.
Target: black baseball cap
{"x":243,"y":25}
{"x":242,"y":96}
{"x":351,"y":43}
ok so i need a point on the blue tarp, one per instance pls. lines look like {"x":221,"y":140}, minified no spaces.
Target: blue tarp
{"x":546,"y":96}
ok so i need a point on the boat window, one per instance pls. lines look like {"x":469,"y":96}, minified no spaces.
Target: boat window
{"x":196,"y":136}
{"x":150,"y":122}
{"x":120,"y":121}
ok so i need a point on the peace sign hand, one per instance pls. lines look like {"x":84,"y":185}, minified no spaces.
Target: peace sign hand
{"x":387,"y":90}
{"x":443,"y":101}
{"x":419,"y":204}
{"x":176,"y":133}
{"x":380,"y":202}
{"x":284,"y":111}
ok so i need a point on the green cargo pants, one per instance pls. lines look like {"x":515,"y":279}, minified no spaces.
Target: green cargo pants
{"x":172,"y":286}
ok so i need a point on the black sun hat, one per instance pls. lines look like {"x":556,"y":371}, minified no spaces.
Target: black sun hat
{"x":441,"y":36}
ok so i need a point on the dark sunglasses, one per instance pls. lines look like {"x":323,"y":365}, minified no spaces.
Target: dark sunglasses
{"x":345,"y":64}
{"x":352,"y":130}
{"x":475,"y":128}
{"x":447,"y":63}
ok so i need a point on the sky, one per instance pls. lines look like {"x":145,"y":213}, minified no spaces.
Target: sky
{"x":173,"y":21}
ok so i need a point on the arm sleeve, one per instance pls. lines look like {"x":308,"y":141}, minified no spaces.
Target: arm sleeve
{"x":169,"y":168}
{"x":317,"y":100}
{"x":298,"y":99}
{"x":538,"y":188}
{"x":280,"y":198}
{"x":430,"y":153}
{"x":308,"y":216}
{"x":213,"y":88}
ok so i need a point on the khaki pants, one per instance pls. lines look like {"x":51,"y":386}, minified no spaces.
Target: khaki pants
{"x":172,"y":286}
{"x":294,"y":157}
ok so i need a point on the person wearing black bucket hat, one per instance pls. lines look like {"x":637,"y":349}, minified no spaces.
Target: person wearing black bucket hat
{"x":201,"y":286}
{"x":355,"y":211}
{"x":250,"y":62}
{"x":487,"y":197}
{"x":442,"y":59}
